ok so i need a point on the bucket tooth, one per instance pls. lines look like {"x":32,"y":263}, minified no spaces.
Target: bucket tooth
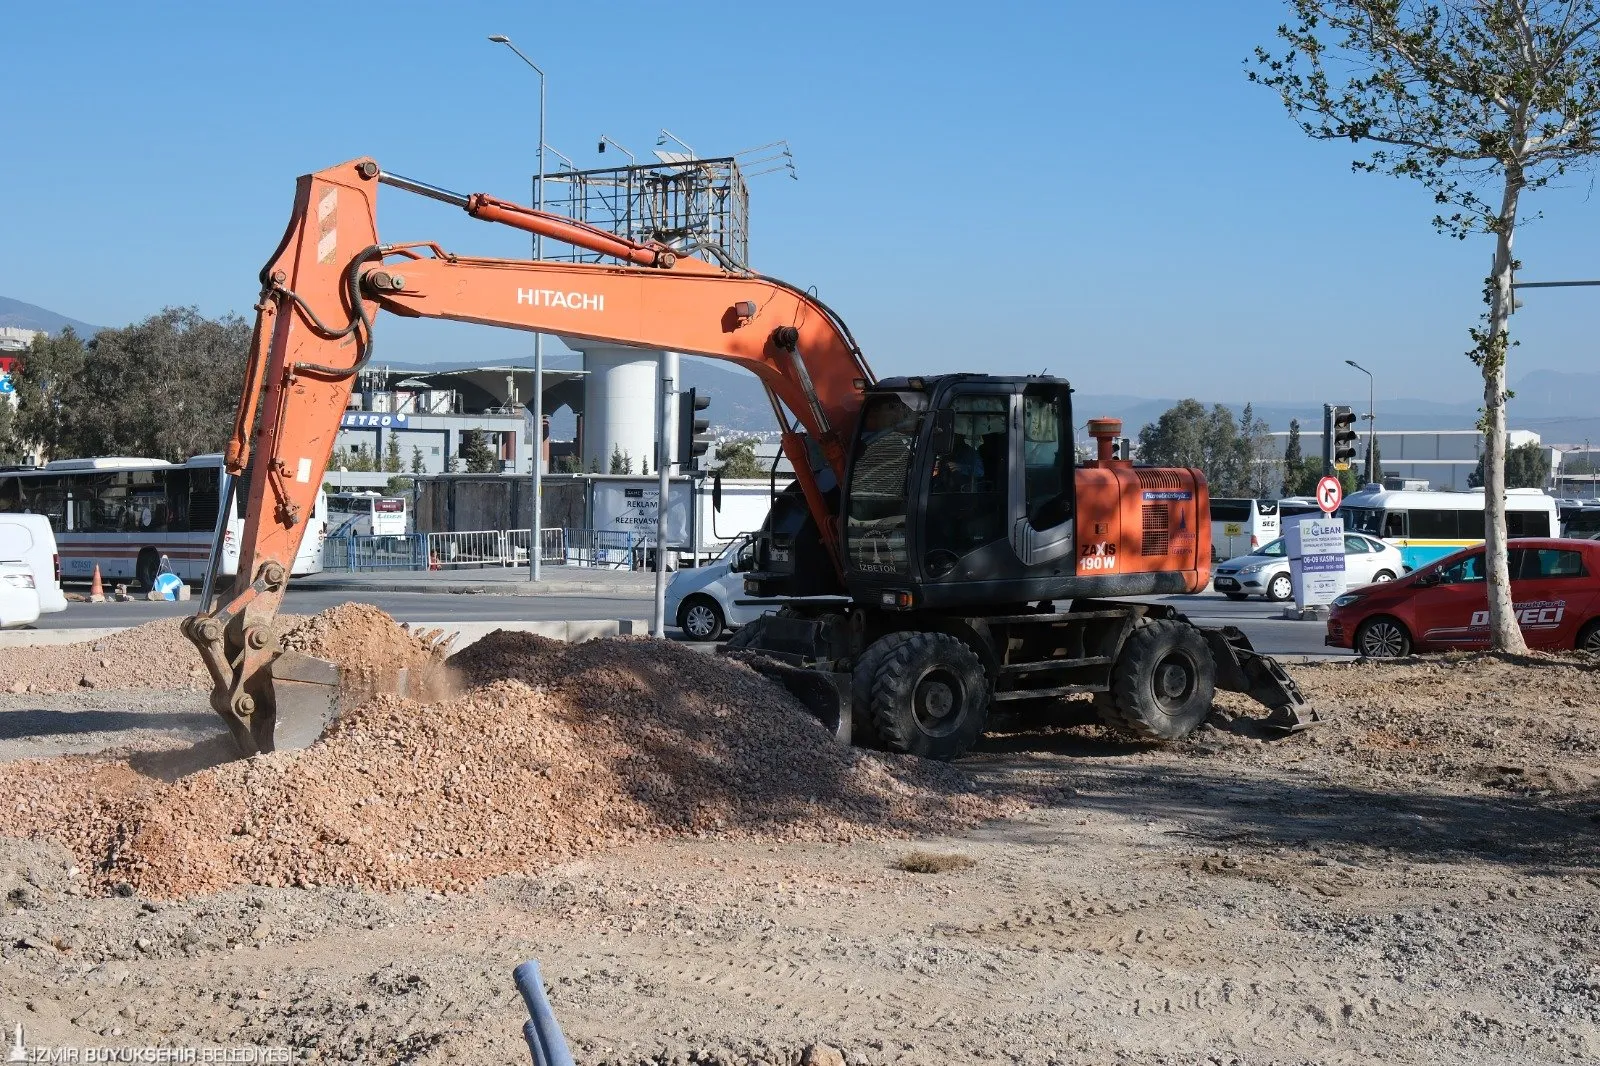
{"x":305,"y":701}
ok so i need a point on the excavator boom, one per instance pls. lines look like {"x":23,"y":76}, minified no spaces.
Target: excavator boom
{"x":321,"y":291}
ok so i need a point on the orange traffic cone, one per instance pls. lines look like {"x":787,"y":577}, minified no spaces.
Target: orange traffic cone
{"x":97,"y":591}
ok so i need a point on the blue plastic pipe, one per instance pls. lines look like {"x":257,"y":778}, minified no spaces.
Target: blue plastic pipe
{"x":542,"y":1032}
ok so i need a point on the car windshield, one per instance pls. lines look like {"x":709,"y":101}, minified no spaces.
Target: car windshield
{"x":1363,"y":520}
{"x":1272,"y":547}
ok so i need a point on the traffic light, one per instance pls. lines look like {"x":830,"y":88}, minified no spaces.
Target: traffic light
{"x":693,"y":441}
{"x":1344,"y":437}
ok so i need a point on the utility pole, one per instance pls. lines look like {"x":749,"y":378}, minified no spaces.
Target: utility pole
{"x":535,"y":534}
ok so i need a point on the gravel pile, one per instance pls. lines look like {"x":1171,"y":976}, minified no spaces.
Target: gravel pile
{"x":550,"y":751}
{"x":372,"y":650}
{"x":154,"y":655}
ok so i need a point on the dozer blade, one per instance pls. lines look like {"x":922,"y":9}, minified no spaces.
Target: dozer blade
{"x":305,"y":701}
{"x":825,"y":693}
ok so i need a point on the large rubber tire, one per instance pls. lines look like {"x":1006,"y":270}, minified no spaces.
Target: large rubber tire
{"x":864,"y":731}
{"x":1280,"y":588}
{"x":930,"y":697}
{"x":1382,"y":638}
{"x":1163,"y":681}
{"x":1381,"y":576}
{"x":700,"y":618}
{"x":147,"y":567}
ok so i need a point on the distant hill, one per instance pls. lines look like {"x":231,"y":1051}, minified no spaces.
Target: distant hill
{"x":31,"y":316}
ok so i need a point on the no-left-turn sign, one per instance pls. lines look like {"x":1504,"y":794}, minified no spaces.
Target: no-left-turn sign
{"x":1329,"y":494}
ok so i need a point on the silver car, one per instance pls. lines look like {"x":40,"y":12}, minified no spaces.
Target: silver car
{"x":1265,"y":571}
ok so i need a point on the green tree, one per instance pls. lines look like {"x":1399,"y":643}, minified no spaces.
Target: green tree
{"x":739,"y":460}
{"x":1455,"y":94}
{"x":1299,"y":474}
{"x":1177,"y":438}
{"x":621,"y":461}
{"x":477,"y":454}
{"x":417,"y":465}
{"x":391,"y":453}
{"x":11,"y":446}
{"x":165,"y":388}
{"x":1374,"y":463}
{"x":1260,"y":467}
{"x":50,"y":386}
{"x":1236,"y":458}
{"x":1527,"y":467}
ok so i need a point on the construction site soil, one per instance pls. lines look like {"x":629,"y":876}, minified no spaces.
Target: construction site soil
{"x":705,"y":876}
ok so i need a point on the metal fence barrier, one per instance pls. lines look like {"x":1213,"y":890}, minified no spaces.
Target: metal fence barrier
{"x":375,"y":553}
{"x":482,"y":548}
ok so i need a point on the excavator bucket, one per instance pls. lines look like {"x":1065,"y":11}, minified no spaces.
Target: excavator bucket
{"x":304,"y":703}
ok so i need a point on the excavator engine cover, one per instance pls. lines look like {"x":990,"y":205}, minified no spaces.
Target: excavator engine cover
{"x":303,"y":704}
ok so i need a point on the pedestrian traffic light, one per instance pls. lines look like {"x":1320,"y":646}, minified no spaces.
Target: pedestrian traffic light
{"x":693,"y":440}
{"x":1344,"y":437}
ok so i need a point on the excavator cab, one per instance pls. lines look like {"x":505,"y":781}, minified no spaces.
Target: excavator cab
{"x":961,"y":492}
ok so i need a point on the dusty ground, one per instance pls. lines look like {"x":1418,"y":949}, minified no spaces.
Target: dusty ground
{"x":1418,"y":881}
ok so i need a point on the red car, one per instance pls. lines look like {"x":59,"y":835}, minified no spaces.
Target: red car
{"x":1555,"y":588}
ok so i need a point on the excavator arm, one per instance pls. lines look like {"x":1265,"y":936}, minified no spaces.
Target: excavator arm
{"x":321,"y":292}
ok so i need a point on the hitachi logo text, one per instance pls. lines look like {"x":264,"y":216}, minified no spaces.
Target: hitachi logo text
{"x":571,"y":301}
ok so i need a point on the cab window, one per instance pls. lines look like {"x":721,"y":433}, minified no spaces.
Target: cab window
{"x":967,"y":484}
{"x":1046,"y":457}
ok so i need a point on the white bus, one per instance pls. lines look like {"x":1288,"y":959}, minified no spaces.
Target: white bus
{"x":367,"y":514}
{"x":124,"y":514}
{"x":1240,"y":526}
{"x":1430,"y":525}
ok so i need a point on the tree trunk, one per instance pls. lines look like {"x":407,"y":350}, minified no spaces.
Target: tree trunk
{"x":1504,"y":633}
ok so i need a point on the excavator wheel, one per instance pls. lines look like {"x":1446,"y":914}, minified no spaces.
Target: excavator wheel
{"x":862,"y":677}
{"x":930,"y":696}
{"x":1163,"y":681}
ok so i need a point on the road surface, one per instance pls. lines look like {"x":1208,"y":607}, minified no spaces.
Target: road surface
{"x":1258,"y":620}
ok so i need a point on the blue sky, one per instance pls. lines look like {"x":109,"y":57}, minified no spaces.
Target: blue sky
{"x":1011,"y":187}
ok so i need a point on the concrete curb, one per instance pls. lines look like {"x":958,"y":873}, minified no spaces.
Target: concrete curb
{"x":38,"y":638}
{"x":463,"y":633}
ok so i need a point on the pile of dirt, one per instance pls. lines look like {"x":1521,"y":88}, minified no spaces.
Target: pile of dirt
{"x":551,"y":751}
{"x":372,"y":650}
{"x":154,"y":655}
{"x":1527,"y":724}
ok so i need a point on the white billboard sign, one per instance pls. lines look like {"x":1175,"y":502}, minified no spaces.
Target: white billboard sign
{"x":1316,"y":559}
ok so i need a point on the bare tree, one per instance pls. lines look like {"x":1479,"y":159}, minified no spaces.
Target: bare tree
{"x":1460,"y":95}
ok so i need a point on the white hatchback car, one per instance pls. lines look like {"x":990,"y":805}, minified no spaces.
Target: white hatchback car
{"x":1265,"y":571}
{"x":703,"y":600}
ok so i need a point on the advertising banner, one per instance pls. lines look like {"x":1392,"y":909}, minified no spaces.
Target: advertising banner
{"x":1316,"y":559}
{"x":629,"y":507}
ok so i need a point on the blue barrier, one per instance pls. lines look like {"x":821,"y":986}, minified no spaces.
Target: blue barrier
{"x":541,"y":1031}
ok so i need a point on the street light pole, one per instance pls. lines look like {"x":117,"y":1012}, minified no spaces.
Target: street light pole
{"x":535,"y":534}
{"x":1372,"y":416}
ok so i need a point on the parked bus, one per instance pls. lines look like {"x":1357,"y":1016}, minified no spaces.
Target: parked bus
{"x":1430,"y":525}
{"x":367,"y":514}
{"x":1239,"y":526}
{"x":124,"y":514}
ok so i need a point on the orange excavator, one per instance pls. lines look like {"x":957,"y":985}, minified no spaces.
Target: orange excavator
{"x":941,"y":551}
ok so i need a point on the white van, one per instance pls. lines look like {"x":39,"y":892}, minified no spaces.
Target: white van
{"x":1240,"y":526}
{"x":27,"y":538}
